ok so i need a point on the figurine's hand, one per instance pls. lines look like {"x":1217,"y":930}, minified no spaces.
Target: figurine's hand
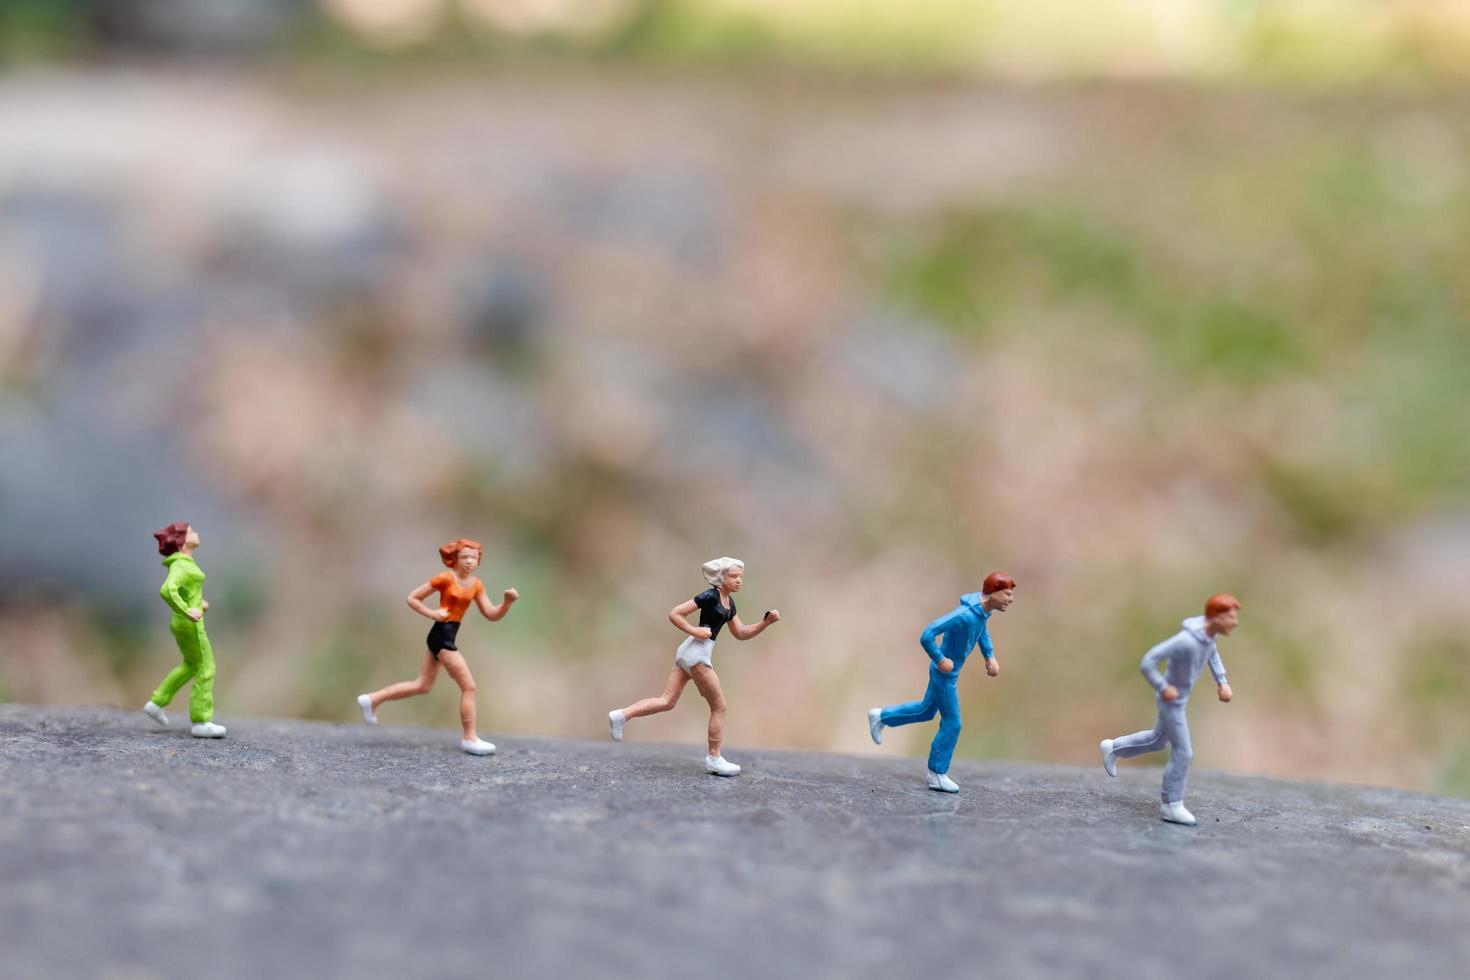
{"x":439,"y":615}
{"x":1169,"y":693}
{"x":195,"y":614}
{"x":992,"y":666}
{"x":511,"y":595}
{"x":1225,"y":693}
{"x":945,"y":665}
{"x":702,"y":633}
{"x":204,"y":604}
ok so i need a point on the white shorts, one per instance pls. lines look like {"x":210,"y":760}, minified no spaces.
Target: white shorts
{"x":694,"y":652}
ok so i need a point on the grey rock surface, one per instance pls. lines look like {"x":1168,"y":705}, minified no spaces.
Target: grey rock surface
{"x":295,"y":849}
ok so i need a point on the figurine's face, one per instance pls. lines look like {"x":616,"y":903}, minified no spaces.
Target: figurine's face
{"x":1000,"y":599}
{"x":1224,"y":623}
{"x":191,"y":538}
{"x":467,"y":561}
{"x":734,"y":577}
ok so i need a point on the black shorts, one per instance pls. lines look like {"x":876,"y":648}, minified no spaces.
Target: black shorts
{"x":441,"y":637}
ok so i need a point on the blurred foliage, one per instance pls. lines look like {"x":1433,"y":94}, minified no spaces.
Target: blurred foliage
{"x":1284,"y":40}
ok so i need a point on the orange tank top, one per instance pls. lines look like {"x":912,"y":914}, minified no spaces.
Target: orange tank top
{"x":453,"y":597}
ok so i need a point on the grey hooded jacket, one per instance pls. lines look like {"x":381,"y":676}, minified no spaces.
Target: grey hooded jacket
{"x":1187,"y":653}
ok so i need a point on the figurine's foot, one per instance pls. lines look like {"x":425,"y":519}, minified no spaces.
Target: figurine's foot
{"x":207,"y":729}
{"x":1110,"y":758}
{"x":719,"y":767}
{"x":615,"y":720}
{"x":156,"y":713}
{"x":942,"y":782}
{"x":875,"y":725}
{"x":365,"y":702}
{"x":477,"y":746}
{"x":1175,"y":813}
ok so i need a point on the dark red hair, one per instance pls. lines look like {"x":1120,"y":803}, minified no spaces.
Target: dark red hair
{"x":1220,"y":602}
{"x":997,"y":582}
{"x":171,"y":538}
{"x":449,"y":554}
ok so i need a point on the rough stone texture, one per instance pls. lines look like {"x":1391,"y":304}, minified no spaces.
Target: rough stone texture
{"x":303,"y":849}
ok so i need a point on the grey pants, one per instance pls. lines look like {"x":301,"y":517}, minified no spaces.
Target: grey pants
{"x":1172,"y":728}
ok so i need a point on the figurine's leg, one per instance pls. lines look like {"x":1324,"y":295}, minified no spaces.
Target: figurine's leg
{"x":183,"y":631}
{"x":201,"y":696}
{"x":407,"y":689}
{"x":906,"y":714}
{"x":665,"y":701}
{"x":1177,"y":771}
{"x":708,"y":683}
{"x":941,"y":750}
{"x":174,"y":680}
{"x":456,"y":667}
{"x":1127,"y":746}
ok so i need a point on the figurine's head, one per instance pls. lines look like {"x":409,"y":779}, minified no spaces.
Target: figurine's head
{"x":462,"y":555}
{"x":999,"y":591}
{"x":1222,"y":614}
{"x":175,"y":537}
{"x":725,"y":573}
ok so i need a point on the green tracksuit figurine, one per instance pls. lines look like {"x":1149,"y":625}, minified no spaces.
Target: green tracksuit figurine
{"x":183,"y":591}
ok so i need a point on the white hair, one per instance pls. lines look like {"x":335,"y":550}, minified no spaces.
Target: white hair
{"x":714,"y":571}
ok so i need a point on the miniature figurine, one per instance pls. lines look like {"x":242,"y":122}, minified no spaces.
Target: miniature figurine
{"x":948,"y":642}
{"x":692,"y":661}
{"x":457,"y":588}
{"x":183,"y":591}
{"x":1187,"y":653}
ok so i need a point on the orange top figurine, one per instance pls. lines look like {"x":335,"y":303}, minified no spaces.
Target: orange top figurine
{"x":458,"y":589}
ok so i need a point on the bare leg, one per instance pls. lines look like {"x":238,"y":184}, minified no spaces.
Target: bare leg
{"x":708,"y":683}
{"x":407,"y":689}
{"x":665,"y":701}
{"x":456,"y":667}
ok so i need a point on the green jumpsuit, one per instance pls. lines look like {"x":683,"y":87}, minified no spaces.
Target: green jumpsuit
{"x":184,"y":590}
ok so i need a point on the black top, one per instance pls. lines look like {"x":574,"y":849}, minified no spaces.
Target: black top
{"x":711,"y":613}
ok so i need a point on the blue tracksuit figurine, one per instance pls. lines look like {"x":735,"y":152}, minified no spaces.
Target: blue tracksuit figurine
{"x":948,"y":642}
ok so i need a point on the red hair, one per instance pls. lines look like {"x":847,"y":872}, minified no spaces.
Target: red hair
{"x":997,"y":582}
{"x":171,"y":538}
{"x":449,"y":554}
{"x":1220,"y":602}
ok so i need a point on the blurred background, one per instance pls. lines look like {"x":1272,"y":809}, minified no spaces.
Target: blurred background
{"x":1137,"y":300}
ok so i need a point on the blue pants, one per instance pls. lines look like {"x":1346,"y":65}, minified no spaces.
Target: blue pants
{"x":943,"y":697}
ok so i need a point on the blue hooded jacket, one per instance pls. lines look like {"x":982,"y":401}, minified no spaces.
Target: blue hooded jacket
{"x":961,"y":629}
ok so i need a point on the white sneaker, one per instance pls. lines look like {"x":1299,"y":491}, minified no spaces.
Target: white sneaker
{"x":1175,"y":813}
{"x":1110,"y":758}
{"x":615,"y":720}
{"x":156,"y":713}
{"x":875,"y":725}
{"x":365,"y":702}
{"x":207,"y":729}
{"x":718,"y":766}
{"x":477,"y":746}
{"x":941,"y":782}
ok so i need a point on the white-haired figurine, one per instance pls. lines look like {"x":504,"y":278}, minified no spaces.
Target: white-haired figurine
{"x":716,"y":607}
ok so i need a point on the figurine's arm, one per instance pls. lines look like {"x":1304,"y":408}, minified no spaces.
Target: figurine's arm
{"x":987,"y":649}
{"x":171,"y":596}
{"x":1150,"y":668}
{"x":742,"y":632}
{"x":416,"y":603}
{"x":1217,"y":667}
{"x":678,"y":616}
{"x":929,"y":640}
{"x":495,"y":611}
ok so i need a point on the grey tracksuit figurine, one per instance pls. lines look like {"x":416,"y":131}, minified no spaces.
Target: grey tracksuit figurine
{"x":1186,"y":654}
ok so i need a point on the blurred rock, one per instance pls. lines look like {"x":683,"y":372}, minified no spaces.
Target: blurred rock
{"x":198,"y":27}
